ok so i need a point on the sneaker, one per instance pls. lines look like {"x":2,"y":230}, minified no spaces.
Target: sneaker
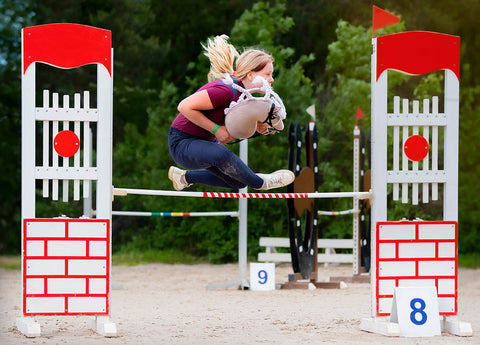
{"x":277,"y":179}
{"x":177,"y":176}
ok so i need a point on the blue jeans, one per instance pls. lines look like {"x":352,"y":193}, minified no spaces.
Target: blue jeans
{"x":210,"y":163}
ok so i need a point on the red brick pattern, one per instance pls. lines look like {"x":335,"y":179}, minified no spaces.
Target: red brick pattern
{"x":417,"y":253}
{"x":66,"y":266}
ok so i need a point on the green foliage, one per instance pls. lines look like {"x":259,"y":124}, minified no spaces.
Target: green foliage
{"x":13,"y":16}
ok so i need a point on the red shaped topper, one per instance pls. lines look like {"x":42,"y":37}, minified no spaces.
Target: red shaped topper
{"x":67,"y":45}
{"x":418,"y":52}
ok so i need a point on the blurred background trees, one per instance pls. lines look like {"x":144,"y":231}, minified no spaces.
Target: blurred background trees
{"x":322,"y":56}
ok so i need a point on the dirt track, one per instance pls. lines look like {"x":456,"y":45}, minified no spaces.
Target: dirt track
{"x":169,"y":304}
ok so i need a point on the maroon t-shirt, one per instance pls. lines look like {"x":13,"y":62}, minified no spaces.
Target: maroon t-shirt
{"x":221,"y":96}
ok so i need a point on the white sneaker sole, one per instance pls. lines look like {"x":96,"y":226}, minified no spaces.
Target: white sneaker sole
{"x":286,"y":182}
{"x":171,"y":171}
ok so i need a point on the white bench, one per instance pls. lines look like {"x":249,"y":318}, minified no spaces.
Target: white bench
{"x":330,"y":256}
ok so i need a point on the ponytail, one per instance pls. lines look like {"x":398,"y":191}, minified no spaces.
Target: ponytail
{"x":221,"y":55}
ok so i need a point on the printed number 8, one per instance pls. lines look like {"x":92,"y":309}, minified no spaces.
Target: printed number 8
{"x":418,"y":311}
{"x":263,"y":276}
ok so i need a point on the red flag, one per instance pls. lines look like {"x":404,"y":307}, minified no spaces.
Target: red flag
{"x":381,"y":19}
{"x":359,"y":115}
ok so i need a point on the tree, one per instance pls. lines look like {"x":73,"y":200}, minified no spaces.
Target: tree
{"x":13,"y":16}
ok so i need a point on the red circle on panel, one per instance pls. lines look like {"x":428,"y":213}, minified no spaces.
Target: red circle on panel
{"x":416,"y":148}
{"x":66,"y":143}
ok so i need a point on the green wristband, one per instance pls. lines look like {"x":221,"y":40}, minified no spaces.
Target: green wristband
{"x":215,"y":129}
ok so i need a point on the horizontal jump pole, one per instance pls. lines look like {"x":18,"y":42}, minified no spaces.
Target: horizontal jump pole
{"x":315,"y":195}
{"x":337,"y":213}
{"x":174,"y":214}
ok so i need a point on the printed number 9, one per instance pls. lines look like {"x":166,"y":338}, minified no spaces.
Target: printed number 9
{"x":263,"y":276}
{"x":418,"y":311}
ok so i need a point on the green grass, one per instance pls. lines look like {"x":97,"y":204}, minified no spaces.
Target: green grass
{"x":470,"y":260}
{"x":123,"y":258}
{"x":10,"y":262}
{"x":133,"y":258}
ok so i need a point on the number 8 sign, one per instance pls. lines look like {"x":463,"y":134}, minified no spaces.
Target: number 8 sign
{"x":415,"y":309}
{"x":262,"y":276}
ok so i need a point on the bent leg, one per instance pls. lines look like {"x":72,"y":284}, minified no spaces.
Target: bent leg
{"x":220,"y":166}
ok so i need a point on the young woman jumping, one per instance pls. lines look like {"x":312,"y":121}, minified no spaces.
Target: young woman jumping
{"x":198,"y":134}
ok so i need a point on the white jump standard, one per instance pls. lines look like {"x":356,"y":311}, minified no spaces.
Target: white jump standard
{"x":411,"y":254}
{"x":66,"y":261}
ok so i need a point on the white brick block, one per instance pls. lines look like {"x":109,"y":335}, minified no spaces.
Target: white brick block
{"x":446,"y":304}
{"x":385,"y":305}
{"x":436,"y":231}
{"x":416,"y":250}
{"x":446,"y":250}
{"x":66,"y":248}
{"x":396,"y":269}
{"x":416,"y":282}
{"x":87,"y":267}
{"x":98,"y":248}
{"x":387,"y":251}
{"x":45,"y":304}
{"x":45,"y":229}
{"x":396,"y":232}
{"x":87,"y":229}
{"x":66,"y":285}
{"x":386,"y":286}
{"x":446,"y":286}
{"x":436,"y":268}
{"x":97,"y":285}
{"x":87,"y":304}
{"x":35,"y":285}
{"x":45,"y":267}
{"x":35,"y":248}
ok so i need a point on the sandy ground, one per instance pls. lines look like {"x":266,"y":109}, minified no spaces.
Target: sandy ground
{"x":169,"y":304}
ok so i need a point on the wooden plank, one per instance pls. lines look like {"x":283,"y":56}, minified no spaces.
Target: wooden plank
{"x":286,"y":257}
{"x":396,"y":146}
{"x":54,"y":153}
{"x":405,"y":133}
{"x":46,"y":141}
{"x":426,"y":135}
{"x":284,"y":242}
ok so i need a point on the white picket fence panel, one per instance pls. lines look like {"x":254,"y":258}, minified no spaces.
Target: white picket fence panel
{"x":407,"y":174}
{"x":60,"y":169}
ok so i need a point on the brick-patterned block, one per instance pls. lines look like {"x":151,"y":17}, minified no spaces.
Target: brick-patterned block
{"x":66,"y":266}
{"x":417,"y":254}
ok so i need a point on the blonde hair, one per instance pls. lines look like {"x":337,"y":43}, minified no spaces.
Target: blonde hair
{"x":222,"y":56}
{"x":251,"y":60}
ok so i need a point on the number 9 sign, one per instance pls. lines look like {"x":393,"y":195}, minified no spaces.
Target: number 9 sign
{"x":262,"y":276}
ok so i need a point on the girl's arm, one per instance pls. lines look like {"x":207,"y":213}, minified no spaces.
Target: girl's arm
{"x":191,"y":108}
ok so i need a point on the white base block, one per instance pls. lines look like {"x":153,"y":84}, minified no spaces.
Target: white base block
{"x":451,"y":325}
{"x":28,"y":326}
{"x":380,"y":326}
{"x":103,"y":326}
